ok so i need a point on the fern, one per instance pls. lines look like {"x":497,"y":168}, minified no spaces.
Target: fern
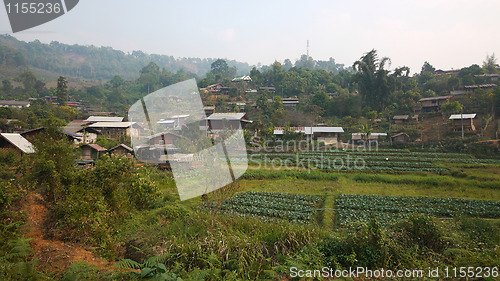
{"x":151,"y":268}
{"x":15,"y":265}
{"x":129,"y":264}
{"x":149,"y":262}
{"x":11,"y":256}
{"x":20,"y":248}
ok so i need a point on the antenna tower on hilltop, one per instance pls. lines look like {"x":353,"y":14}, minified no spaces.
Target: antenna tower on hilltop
{"x":308,"y":49}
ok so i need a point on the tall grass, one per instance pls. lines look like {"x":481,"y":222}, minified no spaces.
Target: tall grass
{"x":187,"y":239}
{"x":280,"y":174}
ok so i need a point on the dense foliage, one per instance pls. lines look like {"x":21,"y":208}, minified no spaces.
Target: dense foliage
{"x":90,"y":62}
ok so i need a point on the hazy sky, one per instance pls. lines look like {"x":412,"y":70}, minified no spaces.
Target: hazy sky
{"x":447,"y":33}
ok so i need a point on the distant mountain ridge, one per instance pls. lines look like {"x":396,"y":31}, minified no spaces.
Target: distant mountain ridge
{"x":90,"y":62}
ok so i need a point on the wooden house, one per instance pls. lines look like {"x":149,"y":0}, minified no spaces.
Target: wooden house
{"x":433,"y":103}
{"x":400,"y":138}
{"x":91,"y":151}
{"x":122,"y":149}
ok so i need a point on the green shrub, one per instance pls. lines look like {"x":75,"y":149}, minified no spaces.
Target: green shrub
{"x":364,"y":246}
{"x":142,"y":192}
{"x":423,"y":231}
{"x":172,"y":211}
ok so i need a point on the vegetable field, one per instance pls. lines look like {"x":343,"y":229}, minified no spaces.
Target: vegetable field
{"x":377,"y":160}
{"x":271,"y":206}
{"x":352,"y":208}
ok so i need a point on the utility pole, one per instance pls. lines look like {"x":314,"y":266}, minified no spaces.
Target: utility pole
{"x":462,"y":121}
{"x":439,"y":134}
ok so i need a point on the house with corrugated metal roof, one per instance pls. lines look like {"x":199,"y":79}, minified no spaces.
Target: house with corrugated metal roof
{"x":226,"y":121}
{"x":115,"y":129}
{"x":14,"y":103}
{"x":16,"y":142}
{"x":466,"y":119}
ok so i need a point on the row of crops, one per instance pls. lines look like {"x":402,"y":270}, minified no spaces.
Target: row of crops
{"x":388,"y":209}
{"x":271,"y":206}
{"x":375,"y":161}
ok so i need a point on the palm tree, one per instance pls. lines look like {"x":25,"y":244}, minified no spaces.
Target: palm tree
{"x":372,"y":79}
{"x":366,"y":129}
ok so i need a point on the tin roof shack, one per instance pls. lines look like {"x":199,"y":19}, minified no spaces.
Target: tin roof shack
{"x":468,"y":122}
{"x":16,"y":142}
{"x":122,"y":149}
{"x":377,"y":136}
{"x":400,"y":119}
{"x":433,"y":103}
{"x":91,"y":151}
{"x":328,"y":135}
{"x":357,"y":138}
{"x":226,"y":121}
{"x":360,"y":138}
{"x":399,"y":138}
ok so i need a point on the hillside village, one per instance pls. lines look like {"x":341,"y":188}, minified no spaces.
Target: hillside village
{"x":431,"y":119}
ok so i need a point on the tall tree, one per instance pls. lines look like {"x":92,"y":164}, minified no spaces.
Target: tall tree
{"x":28,"y":79}
{"x":305,"y":62}
{"x":372,"y":79}
{"x":7,"y":86}
{"x":150,"y":76}
{"x":490,"y":64}
{"x":220,"y":67}
{"x":62,"y":90}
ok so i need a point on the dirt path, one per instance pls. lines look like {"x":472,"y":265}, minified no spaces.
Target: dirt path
{"x":54,"y":256}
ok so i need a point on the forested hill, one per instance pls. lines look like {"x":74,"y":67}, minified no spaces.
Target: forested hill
{"x":90,"y":62}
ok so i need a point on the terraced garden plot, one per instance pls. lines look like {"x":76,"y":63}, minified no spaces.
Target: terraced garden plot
{"x":388,"y":209}
{"x":271,"y":206}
